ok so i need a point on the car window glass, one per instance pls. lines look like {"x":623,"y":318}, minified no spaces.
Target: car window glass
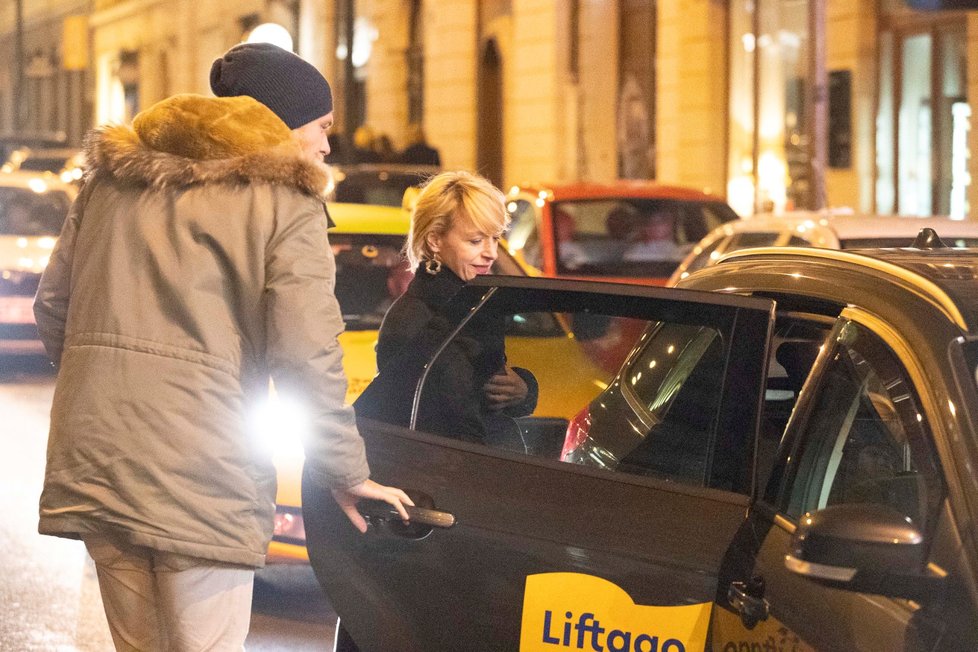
{"x":796,"y":241}
{"x":865,"y":438}
{"x":794,"y":348}
{"x":654,"y":415}
{"x":645,"y":238}
{"x":28,"y":213}
{"x":370,"y":274}
{"x":522,"y":234}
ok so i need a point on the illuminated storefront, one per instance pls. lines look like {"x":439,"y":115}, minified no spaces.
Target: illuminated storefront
{"x":922,"y":152}
{"x":770,"y":140}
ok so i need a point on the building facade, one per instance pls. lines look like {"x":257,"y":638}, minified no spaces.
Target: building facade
{"x":775,"y":104}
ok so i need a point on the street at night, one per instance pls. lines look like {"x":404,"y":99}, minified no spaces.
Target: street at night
{"x":49,"y":590}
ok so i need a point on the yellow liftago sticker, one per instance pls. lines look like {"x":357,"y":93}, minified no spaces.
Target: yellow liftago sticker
{"x":573,"y":611}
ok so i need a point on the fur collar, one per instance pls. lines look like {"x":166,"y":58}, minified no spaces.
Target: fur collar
{"x":191,"y":139}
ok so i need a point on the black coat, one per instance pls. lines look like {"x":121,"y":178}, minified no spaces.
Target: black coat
{"x":454,"y":402}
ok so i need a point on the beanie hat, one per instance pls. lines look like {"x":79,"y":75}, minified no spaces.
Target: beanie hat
{"x":287,"y":84}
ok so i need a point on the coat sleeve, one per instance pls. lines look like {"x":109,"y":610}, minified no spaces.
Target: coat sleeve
{"x":303,"y":323}
{"x":53,"y":292}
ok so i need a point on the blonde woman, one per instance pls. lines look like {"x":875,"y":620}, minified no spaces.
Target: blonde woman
{"x":456,"y":225}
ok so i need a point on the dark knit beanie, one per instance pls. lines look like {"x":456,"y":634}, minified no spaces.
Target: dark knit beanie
{"x":287,"y":84}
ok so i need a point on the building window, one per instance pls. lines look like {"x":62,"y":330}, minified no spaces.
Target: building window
{"x":923,"y":119}
{"x":770,"y":140}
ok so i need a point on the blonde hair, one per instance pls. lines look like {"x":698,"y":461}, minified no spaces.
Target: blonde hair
{"x":450,"y":196}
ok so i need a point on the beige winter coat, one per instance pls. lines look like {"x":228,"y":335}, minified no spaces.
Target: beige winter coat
{"x":194,"y":264}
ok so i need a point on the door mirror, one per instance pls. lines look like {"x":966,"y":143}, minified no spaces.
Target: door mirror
{"x":868,"y":548}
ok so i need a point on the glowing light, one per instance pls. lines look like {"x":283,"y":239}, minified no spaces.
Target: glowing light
{"x":37,"y":185}
{"x":271,"y":33}
{"x":671,"y":348}
{"x":47,"y":242}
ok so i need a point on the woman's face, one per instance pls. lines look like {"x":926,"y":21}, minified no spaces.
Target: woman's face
{"x":465,"y":249}
{"x":312,"y":137}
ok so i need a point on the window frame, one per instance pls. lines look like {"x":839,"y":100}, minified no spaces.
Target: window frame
{"x":798,"y":434}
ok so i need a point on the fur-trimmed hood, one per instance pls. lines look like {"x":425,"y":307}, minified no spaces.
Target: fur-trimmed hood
{"x":191,"y":139}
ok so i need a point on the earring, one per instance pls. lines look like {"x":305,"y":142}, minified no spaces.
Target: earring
{"x":432,"y":265}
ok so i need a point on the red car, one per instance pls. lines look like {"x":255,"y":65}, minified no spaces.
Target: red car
{"x":631,"y":231}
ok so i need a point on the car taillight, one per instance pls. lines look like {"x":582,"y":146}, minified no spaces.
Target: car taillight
{"x":577,"y":431}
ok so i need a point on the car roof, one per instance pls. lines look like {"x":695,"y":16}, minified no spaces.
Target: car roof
{"x":948,"y":277}
{"x":369,"y":218}
{"x":620,"y":188}
{"x":852,"y":226}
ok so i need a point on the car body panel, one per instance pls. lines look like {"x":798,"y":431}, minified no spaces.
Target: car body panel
{"x":902,"y":299}
{"x":520,"y":518}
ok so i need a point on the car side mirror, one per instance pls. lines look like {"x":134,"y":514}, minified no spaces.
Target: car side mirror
{"x":866,"y":548}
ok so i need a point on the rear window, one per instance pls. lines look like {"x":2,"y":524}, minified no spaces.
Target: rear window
{"x":370,"y":274}
{"x":28,"y":213}
{"x":639,"y":238}
{"x":382,"y":189}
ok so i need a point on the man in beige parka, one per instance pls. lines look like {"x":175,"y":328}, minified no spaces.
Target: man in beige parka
{"x":194,"y":265}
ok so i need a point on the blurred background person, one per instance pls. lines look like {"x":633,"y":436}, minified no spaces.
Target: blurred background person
{"x":418,"y":151}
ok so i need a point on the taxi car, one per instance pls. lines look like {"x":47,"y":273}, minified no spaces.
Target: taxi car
{"x":631,"y":231}
{"x":371,"y":273}
{"x":785,"y":461}
{"x":32,"y":209}
{"x":830,"y":230}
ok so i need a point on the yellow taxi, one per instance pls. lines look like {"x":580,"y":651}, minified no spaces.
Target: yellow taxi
{"x":370,"y":274}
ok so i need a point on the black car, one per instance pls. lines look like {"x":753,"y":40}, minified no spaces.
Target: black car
{"x":784,"y":462}
{"x":377,"y":183}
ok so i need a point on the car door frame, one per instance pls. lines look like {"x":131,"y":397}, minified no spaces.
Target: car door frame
{"x":369,"y":575}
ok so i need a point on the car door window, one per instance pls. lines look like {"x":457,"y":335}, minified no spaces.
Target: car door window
{"x":865,"y":439}
{"x":614,"y":390}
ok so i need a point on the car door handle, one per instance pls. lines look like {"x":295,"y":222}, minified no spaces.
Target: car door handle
{"x":379,"y":511}
{"x":746,"y":599}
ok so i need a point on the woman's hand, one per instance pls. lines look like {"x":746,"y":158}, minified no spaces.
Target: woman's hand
{"x":348,"y":498}
{"x":505,"y":389}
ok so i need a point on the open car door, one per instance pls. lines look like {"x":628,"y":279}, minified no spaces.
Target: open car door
{"x":652,"y":396}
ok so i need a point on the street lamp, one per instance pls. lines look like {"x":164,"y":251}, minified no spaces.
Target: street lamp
{"x":271,"y":33}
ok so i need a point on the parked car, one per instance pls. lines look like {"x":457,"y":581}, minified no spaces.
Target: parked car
{"x":632,"y":231}
{"x":815,"y":229}
{"x":67,"y":162}
{"x":784,"y":461}
{"x":371,"y":273}
{"x":380,"y":184}
{"x":32,"y":209}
